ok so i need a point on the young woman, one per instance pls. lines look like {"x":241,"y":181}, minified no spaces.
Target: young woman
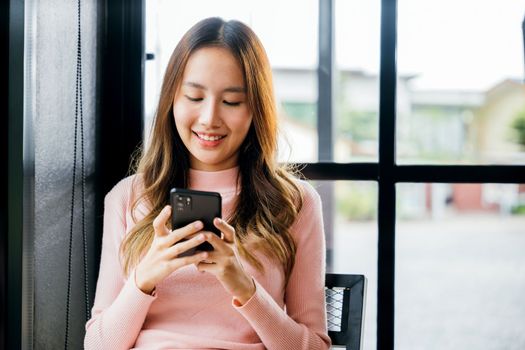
{"x":262,"y":287}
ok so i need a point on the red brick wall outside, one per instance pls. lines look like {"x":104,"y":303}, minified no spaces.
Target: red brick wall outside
{"x":468,"y":197}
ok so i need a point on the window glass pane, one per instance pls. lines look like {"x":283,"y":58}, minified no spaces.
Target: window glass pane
{"x":296,"y":91}
{"x":290,"y":42}
{"x":460,"y":267}
{"x":356,"y":92}
{"x":350,"y":220}
{"x":461,"y":97}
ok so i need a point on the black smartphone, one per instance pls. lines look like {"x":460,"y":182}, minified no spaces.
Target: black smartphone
{"x":192,"y":205}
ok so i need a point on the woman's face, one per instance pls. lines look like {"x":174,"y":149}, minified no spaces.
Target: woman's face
{"x":210,"y":109}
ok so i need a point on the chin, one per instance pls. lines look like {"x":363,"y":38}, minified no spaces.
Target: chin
{"x":210,"y":163}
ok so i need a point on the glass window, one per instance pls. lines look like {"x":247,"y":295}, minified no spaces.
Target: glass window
{"x":460,"y":93}
{"x":350,"y":220}
{"x":460,"y":267}
{"x":356,"y":85}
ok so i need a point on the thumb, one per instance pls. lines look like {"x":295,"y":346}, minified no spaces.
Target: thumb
{"x":159,"y":224}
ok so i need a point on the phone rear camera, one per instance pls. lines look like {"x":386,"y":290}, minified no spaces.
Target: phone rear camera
{"x":183,"y":201}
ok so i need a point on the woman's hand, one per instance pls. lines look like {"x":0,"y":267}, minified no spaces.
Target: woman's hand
{"x":161,"y":259}
{"x":224,"y":263}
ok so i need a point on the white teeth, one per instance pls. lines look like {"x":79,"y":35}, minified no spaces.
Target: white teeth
{"x":209,"y":138}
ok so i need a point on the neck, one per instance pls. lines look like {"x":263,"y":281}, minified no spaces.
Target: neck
{"x":222,"y":181}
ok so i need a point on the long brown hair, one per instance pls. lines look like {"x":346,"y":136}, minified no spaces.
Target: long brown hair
{"x":269,"y":200}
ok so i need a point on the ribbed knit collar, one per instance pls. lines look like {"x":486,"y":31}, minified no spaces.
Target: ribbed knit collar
{"x":222,"y":181}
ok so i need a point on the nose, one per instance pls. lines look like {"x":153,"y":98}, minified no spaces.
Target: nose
{"x":210,"y":115}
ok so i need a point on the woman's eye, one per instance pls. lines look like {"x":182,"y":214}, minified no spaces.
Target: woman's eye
{"x":193,"y":99}
{"x":231,"y":103}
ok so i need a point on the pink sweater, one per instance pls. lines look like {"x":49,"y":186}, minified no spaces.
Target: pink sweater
{"x":191,"y":310}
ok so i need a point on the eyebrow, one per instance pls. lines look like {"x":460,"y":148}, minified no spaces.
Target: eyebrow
{"x":228,"y":89}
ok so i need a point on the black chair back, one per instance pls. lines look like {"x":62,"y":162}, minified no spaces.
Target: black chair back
{"x":345,"y":309}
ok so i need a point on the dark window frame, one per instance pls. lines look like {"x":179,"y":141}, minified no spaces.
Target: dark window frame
{"x":12,"y":224}
{"x":385,"y":172}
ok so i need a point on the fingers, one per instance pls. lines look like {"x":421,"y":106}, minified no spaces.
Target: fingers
{"x":204,"y":266}
{"x":159,"y":224}
{"x":226,"y":229}
{"x":183,"y":246}
{"x":183,"y":232}
{"x":217,"y":243}
{"x":188,"y":260}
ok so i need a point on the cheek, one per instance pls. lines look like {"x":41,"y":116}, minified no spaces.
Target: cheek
{"x":241,"y":123}
{"x":246,"y":126}
{"x":182,"y":118}
{"x":180,"y":129}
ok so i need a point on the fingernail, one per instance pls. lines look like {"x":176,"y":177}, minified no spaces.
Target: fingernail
{"x":197,"y":225}
{"x":219,"y":220}
{"x":201,"y":238}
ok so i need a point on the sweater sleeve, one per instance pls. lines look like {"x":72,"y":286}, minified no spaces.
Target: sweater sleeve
{"x":120,"y":307}
{"x":303,"y":324}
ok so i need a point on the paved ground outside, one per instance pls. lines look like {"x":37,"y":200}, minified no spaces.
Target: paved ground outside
{"x":460,"y":281}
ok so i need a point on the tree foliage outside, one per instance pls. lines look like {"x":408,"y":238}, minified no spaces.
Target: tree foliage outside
{"x":358,"y":125}
{"x":303,"y":112}
{"x":519,"y":127}
{"x":356,"y":201}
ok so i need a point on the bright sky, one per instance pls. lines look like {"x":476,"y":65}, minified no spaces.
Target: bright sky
{"x":450,"y":44}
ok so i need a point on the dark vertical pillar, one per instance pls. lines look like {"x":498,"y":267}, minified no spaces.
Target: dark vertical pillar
{"x":387,"y":199}
{"x":4,"y":110}
{"x":15,"y":174}
{"x":121,"y":76}
{"x":122,"y":89}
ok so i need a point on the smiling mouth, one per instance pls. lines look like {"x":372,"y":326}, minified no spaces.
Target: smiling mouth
{"x":206,"y":137}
